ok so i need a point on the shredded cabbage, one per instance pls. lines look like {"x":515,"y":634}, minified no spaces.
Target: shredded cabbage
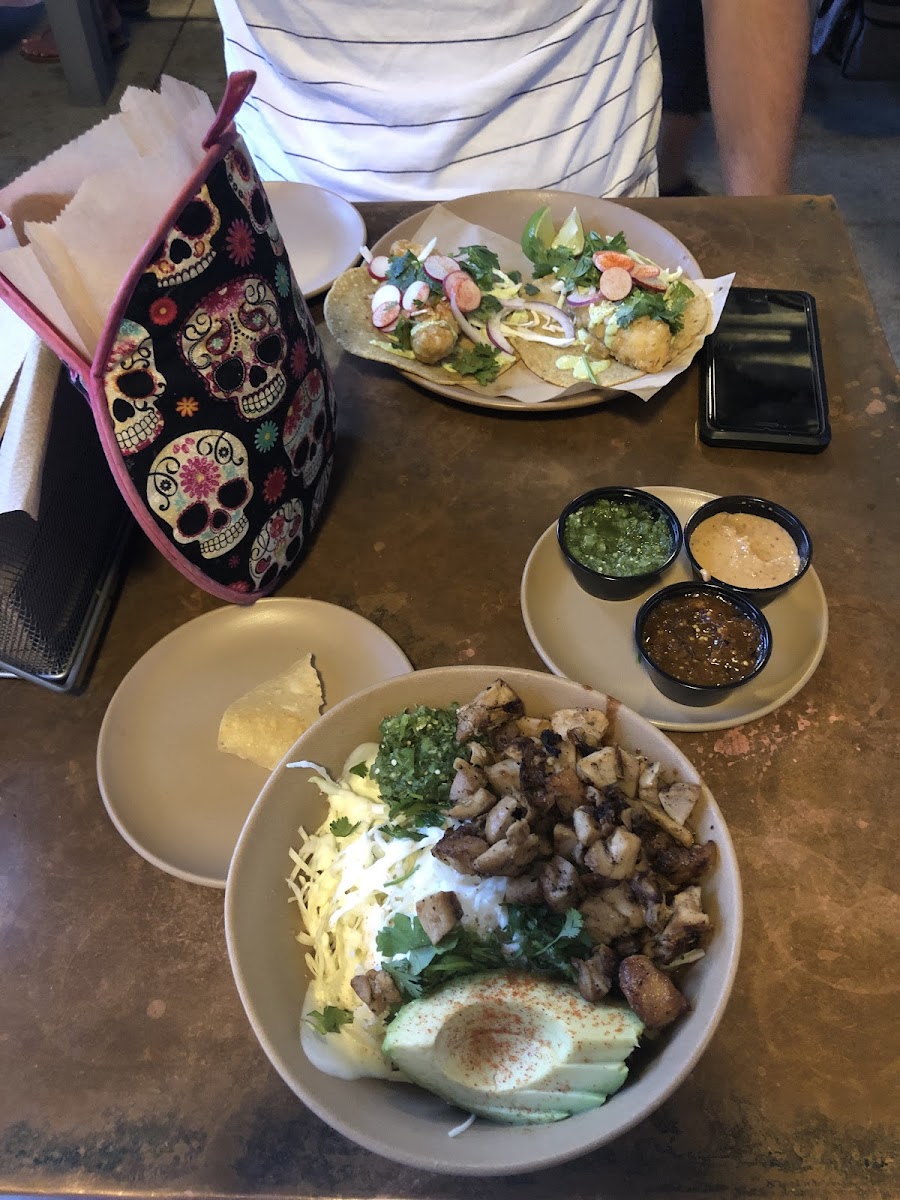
{"x":348,"y":888}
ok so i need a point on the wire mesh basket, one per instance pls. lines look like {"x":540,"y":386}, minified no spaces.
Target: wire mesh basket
{"x":59,"y":574}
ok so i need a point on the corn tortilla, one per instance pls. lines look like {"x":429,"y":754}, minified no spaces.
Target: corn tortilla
{"x":348,"y":315}
{"x":263,"y":724}
{"x":541,"y":358}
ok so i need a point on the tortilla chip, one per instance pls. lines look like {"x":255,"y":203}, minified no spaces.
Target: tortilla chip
{"x":262,"y":725}
{"x":348,"y":315}
{"x":541,"y":358}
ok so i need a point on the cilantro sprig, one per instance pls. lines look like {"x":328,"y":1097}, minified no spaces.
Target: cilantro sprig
{"x":535,"y":939}
{"x":404,"y":269}
{"x":342,"y":827}
{"x":665,"y":306}
{"x":329,"y":1020}
{"x":480,"y":361}
{"x":576,"y":270}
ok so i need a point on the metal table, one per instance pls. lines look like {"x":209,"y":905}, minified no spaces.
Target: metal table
{"x":127,"y":1064}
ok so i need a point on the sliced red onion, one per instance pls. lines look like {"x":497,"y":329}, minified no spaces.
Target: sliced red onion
{"x":527,"y":336}
{"x":583,"y":299}
{"x":565,"y":322}
{"x":466,"y":326}
{"x":497,"y":336}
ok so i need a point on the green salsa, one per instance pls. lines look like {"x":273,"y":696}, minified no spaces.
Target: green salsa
{"x":618,"y":537}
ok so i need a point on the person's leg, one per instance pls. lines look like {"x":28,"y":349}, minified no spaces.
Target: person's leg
{"x":41,"y":47}
{"x":685,"y":96}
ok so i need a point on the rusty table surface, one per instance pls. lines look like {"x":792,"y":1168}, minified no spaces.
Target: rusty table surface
{"x":127,"y":1065}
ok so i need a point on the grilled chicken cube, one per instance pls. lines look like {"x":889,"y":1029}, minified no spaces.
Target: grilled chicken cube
{"x":501,"y":817}
{"x":678,"y":800}
{"x":494,"y":706}
{"x":596,"y":974}
{"x":599,"y":768}
{"x":616,"y":857}
{"x":566,"y":790}
{"x":686,"y":929}
{"x":560,"y":884}
{"x":439,"y":914}
{"x":512,"y":854}
{"x":459,"y":848}
{"x":377,"y":991}
{"x":583,"y":726}
{"x":523,"y":890}
{"x":653,"y":996}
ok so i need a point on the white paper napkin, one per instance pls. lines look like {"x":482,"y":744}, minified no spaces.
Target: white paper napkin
{"x":85,"y":212}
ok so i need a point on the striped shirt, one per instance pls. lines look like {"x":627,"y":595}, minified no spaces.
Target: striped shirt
{"x":426,"y":100}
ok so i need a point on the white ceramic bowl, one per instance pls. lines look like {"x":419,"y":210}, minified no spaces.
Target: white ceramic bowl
{"x":400,"y":1121}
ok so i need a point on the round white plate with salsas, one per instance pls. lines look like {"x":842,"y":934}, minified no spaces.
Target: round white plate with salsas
{"x":322,"y":232}
{"x":176,"y":798}
{"x":592,"y":640}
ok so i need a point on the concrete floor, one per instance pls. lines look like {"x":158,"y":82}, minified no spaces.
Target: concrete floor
{"x":849,"y":145}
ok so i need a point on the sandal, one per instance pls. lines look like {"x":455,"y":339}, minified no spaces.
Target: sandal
{"x":41,"y":47}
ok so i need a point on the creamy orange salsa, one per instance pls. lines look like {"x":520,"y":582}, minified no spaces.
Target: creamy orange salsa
{"x":745,"y":550}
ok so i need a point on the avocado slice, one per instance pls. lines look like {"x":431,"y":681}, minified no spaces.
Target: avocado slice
{"x":515,"y":1047}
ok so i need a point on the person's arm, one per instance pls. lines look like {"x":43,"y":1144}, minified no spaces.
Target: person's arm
{"x":757,"y":52}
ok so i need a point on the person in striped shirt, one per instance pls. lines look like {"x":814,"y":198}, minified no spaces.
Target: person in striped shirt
{"x":426,"y":101}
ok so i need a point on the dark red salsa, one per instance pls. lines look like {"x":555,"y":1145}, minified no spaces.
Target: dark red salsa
{"x":702,"y":640}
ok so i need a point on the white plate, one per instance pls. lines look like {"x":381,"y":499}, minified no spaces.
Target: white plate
{"x":322,"y":231}
{"x":592,"y":641}
{"x":506,"y":213}
{"x":173,"y":796}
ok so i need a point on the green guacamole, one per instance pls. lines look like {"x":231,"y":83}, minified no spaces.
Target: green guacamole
{"x":618,"y":537}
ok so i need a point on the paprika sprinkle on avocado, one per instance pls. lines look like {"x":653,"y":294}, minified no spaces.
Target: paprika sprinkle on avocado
{"x":618,"y":537}
{"x":702,"y":640}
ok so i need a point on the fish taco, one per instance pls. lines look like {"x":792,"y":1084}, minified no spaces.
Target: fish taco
{"x":603,"y":313}
{"x":426,"y":313}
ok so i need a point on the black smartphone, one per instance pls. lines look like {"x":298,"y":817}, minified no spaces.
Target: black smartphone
{"x":763,"y":384}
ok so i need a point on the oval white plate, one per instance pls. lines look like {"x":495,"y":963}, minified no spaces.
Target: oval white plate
{"x":506,"y":213}
{"x":173,"y":796}
{"x":592,"y":640}
{"x":322,"y":232}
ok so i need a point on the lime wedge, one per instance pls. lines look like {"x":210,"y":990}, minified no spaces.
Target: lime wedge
{"x":539,"y":230}
{"x":571,"y":234}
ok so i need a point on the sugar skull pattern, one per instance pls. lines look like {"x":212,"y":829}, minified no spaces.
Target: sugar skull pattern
{"x":279,"y":543}
{"x":217,"y":390}
{"x":234,"y":341}
{"x":200,"y":486}
{"x":132,"y":386}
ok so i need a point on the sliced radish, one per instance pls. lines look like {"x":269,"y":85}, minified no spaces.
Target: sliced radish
{"x":461,"y":287}
{"x":389,"y":293}
{"x":615,"y":283}
{"x":378,"y":267}
{"x":606,"y":259}
{"x":385,"y":316}
{"x":643,"y":271}
{"x":651,"y":285}
{"x":438,"y":266}
{"x":416,"y":296}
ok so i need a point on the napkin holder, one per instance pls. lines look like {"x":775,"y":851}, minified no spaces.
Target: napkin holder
{"x":209,"y":386}
{"x":59,"y":573}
